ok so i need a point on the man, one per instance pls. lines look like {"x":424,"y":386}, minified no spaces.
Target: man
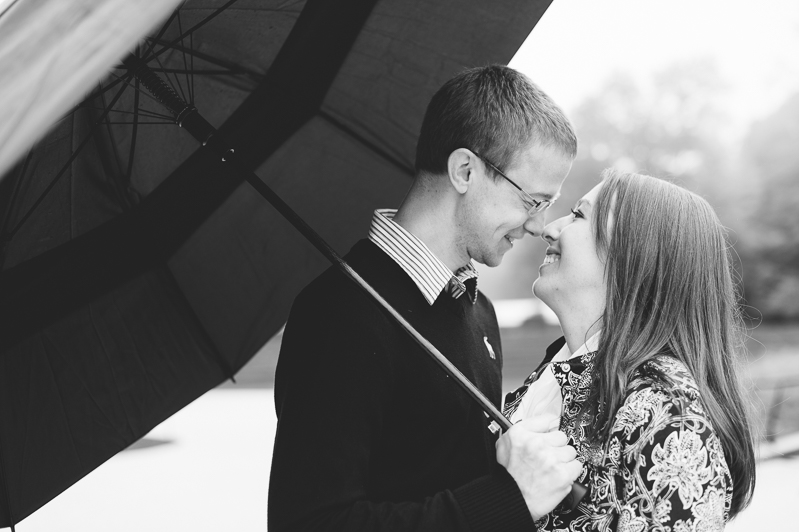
{"x":371,"y":434}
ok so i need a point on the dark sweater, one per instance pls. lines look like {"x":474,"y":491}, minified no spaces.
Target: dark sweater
{"x":371,"y":434}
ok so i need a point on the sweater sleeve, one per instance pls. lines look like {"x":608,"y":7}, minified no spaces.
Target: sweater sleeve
{"x":331,"y":392}
{"x":673,"y":472}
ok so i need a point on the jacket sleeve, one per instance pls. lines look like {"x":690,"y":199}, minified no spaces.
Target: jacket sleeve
{"x":331,"y":391}
{"x":673,"y":473}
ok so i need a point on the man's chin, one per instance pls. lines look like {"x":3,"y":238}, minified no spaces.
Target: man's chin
{"x":494,"y":261}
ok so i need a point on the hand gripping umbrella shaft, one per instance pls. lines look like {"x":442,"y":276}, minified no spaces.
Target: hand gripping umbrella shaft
{"x":187,"y":117}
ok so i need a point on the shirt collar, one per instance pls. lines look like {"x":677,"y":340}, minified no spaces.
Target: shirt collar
{"x":460,"y":283}
{"x":426,"y":270}
{"x":591,"y":345}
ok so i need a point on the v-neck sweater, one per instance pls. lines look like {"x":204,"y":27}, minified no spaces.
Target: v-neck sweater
{"x":373,"y":435}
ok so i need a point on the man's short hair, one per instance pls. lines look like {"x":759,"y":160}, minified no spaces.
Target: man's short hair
{"x":494,"y":110}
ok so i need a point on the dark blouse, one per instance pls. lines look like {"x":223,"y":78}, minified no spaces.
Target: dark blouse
{"x":663,"y":467}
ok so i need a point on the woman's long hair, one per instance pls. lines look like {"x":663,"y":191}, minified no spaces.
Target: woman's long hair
{"x":670,"y":291}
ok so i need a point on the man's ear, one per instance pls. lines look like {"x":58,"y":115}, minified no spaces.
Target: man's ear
{"x":461,"y":169}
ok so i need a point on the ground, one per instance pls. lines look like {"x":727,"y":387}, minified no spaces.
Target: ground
{"x":207,"y":467}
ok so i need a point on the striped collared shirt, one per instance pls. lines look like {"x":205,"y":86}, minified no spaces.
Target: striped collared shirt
{"x":415,"y":258}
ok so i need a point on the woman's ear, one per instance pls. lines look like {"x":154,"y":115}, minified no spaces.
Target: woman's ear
{"x":461,"y":169}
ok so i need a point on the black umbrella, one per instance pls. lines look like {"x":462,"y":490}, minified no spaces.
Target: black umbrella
{"x":139,"y":271}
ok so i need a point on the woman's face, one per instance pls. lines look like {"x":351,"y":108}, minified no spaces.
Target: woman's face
{"x":572,"y":277}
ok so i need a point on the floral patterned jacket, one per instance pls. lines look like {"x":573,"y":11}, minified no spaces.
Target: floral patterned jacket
{"x":663,"y":467}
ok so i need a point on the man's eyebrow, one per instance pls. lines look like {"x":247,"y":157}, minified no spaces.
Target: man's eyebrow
{"x":548,"y":197}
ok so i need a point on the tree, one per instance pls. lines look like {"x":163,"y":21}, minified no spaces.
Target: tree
{"x":667,"y":128}
{"x":770,"y":232}
{"x":672,"y":127}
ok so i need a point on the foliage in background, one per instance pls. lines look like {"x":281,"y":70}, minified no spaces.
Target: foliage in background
{"x":673,"y":129}
{"x":673,"y":126}
{"x":769,"y":205}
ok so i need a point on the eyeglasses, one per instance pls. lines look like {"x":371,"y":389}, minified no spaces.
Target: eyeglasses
{"x":533,"y":205}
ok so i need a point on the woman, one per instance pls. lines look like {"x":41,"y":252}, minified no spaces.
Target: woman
{"x":650,"y":396}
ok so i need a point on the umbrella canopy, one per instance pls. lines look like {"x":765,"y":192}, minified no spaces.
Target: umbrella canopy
{"x":140,"y":272}
{"x":51,"y":53}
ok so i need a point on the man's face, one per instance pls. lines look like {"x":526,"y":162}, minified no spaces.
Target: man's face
{"x":495,"y":214}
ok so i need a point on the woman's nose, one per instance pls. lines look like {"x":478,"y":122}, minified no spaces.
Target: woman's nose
{"x":552,"y":230}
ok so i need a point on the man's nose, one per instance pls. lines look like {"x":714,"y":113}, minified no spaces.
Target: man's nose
{"x":535,"y":223}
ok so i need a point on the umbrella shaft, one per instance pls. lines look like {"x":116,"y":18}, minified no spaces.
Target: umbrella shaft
{"x":347,"y":270}
{"x":155,"y":85}
{"x":205,"y":133}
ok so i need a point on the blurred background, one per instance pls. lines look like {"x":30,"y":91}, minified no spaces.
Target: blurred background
{"x":702,"y":92}
{"x":705,"y":94}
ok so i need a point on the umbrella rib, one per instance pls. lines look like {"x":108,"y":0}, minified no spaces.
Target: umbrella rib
{"x":134,"y":133}
{"x":59,"y":391}
{"x":141,"y":123}
{"x":186,"y":66}
{"x":128,"y":83}
{"x":114,"y":151}
{"x":369,"y":144}
{"x":233,"y":67}
{"x":161,"y":32}
{"x":67,"y":164}
{"x":97,"y":402}
{"x":100,"y":92}
{"x":17,"y":188}
{"x":142,"y":112}
{"x":199,"y":72}
{"x":191,"y":62}
{"x":194,"y":28}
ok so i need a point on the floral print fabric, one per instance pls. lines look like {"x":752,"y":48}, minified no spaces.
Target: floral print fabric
{"x":662,"y":469}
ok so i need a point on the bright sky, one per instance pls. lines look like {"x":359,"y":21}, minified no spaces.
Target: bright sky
{"x":579,"y":43}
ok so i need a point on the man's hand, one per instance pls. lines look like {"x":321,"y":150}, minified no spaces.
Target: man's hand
{"x":540,"y":462}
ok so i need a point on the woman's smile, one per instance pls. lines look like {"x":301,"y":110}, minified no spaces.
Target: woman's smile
{"x":551,"y":256}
